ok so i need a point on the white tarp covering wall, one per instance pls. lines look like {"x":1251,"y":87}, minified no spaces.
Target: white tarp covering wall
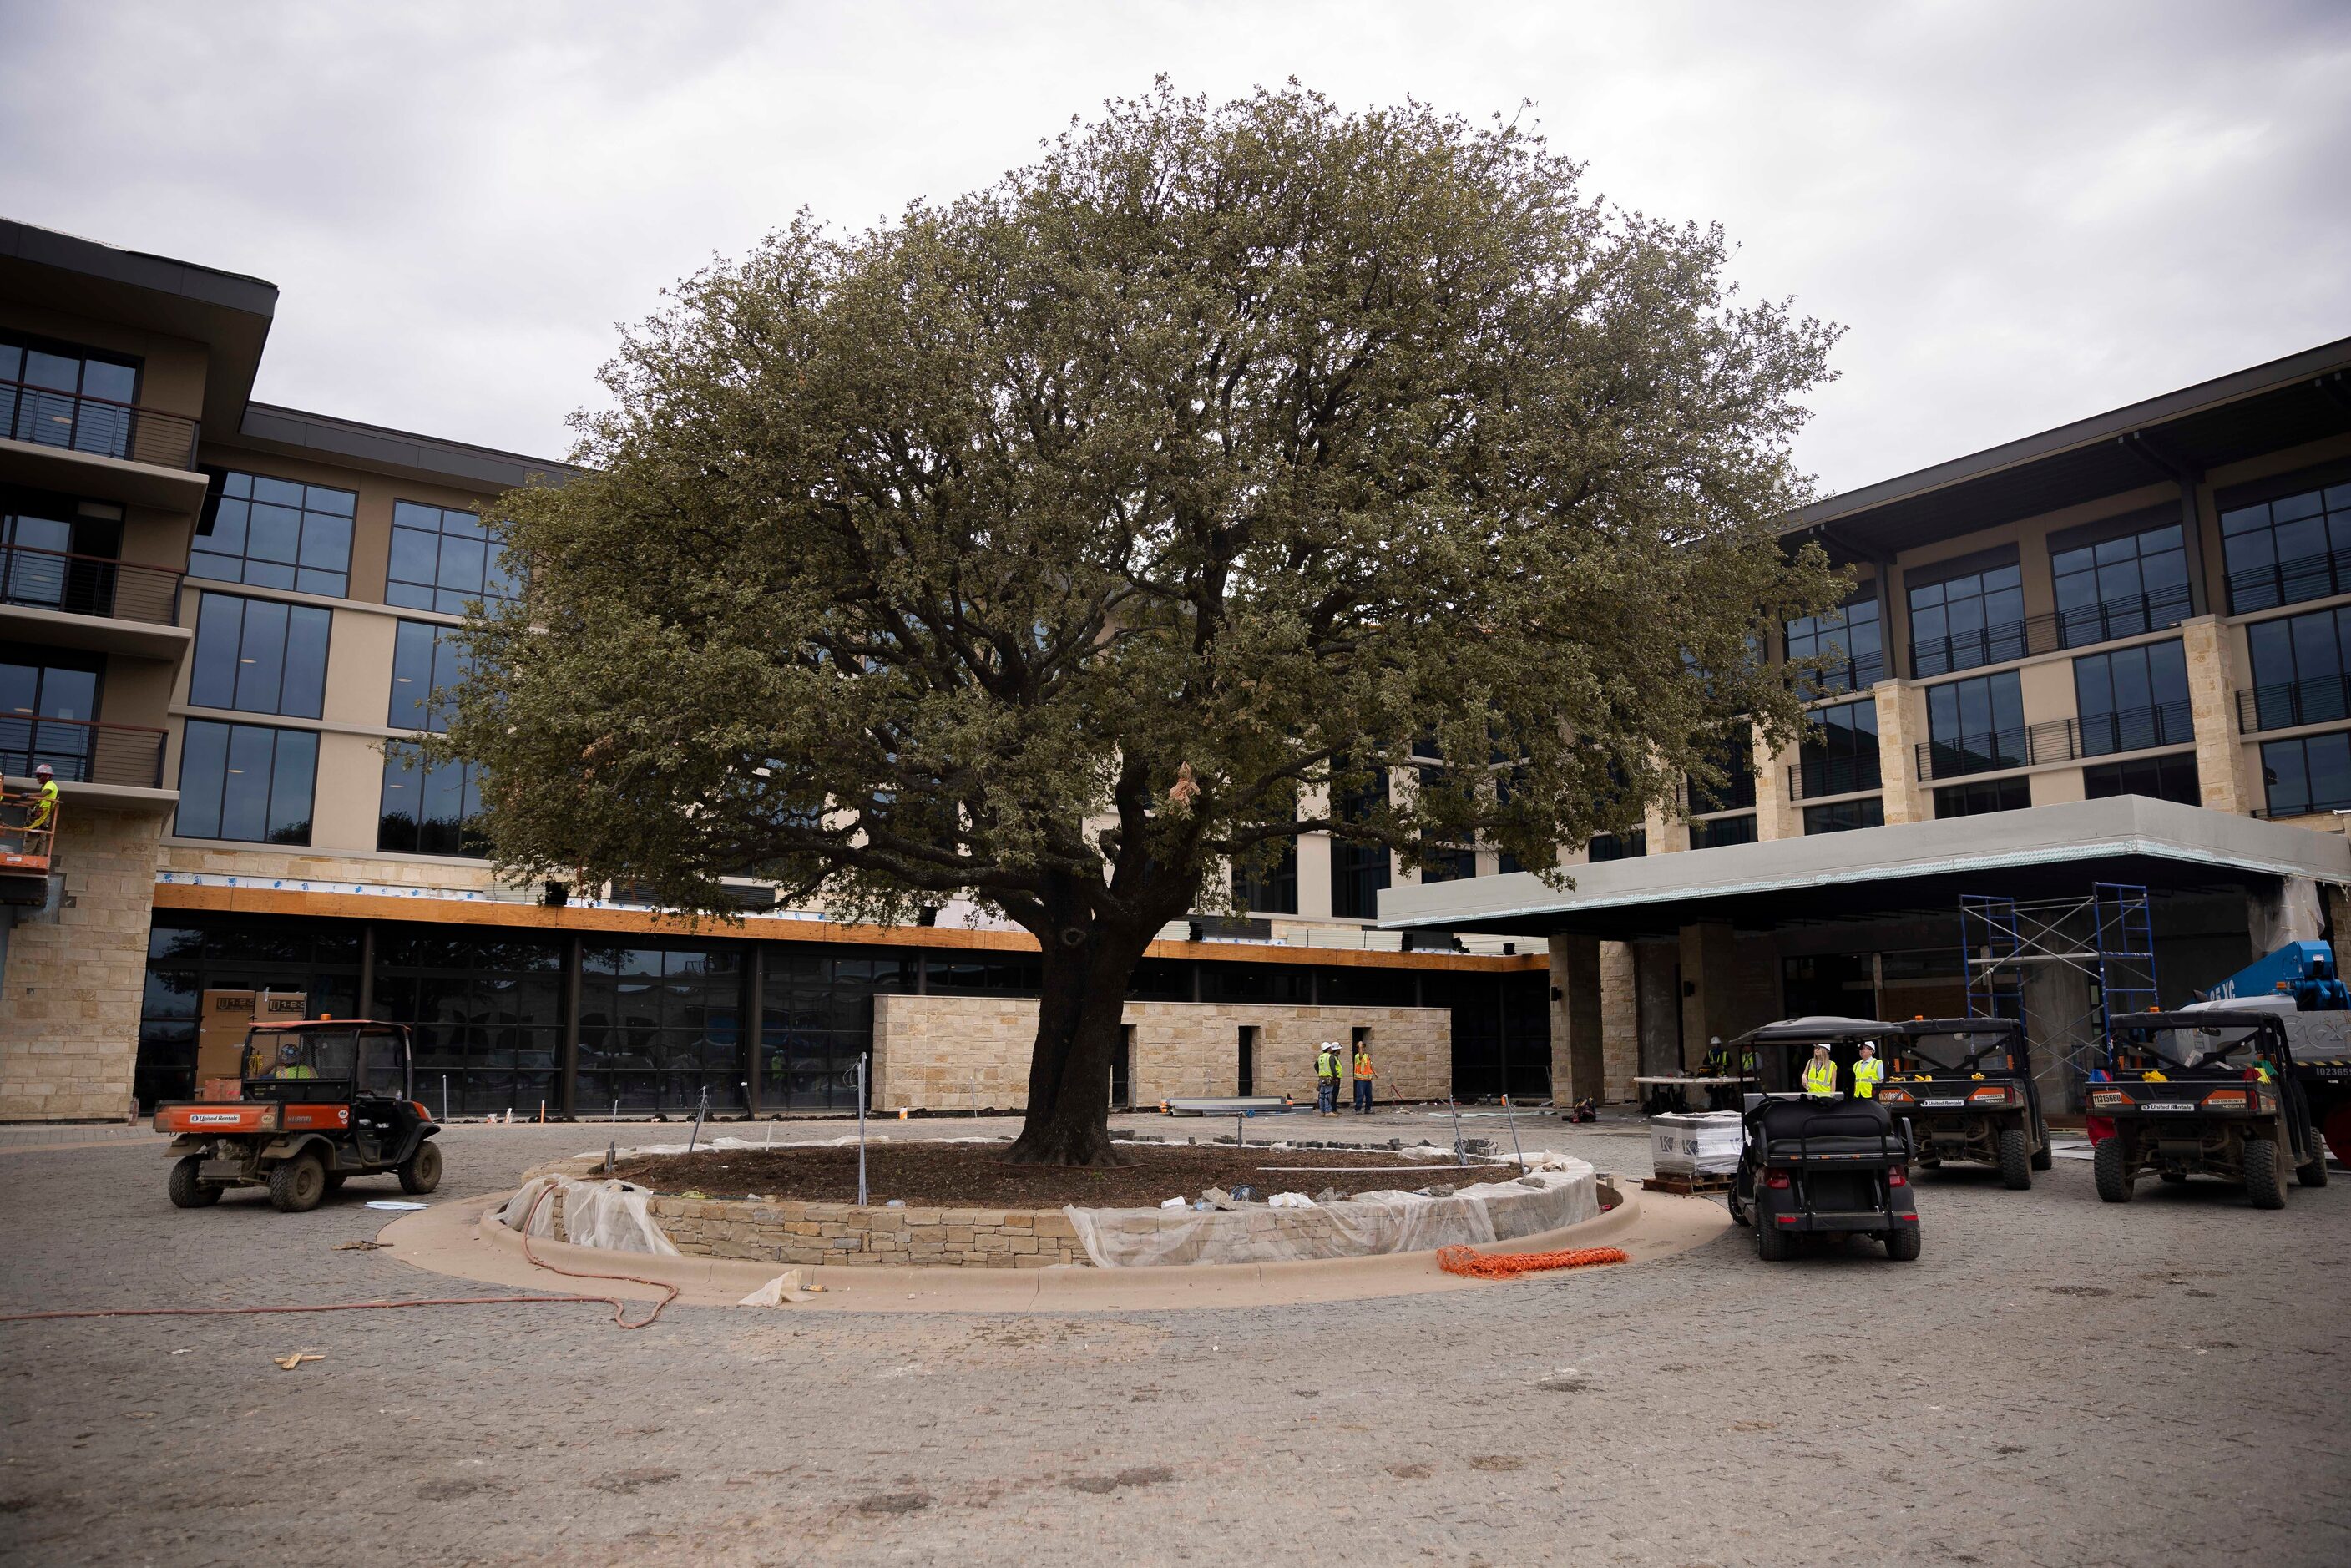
{"x":609,"y":1214}
{"x":1365,"y":1225}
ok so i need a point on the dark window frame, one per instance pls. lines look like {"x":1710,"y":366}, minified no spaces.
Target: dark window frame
{"x":228,"y":514}
{"x":236,"y":622}
{"x":196,"y":751}
{"x":478,"y":582}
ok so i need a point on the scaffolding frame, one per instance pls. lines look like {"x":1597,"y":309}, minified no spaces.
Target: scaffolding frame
{"x":2107,"y":937}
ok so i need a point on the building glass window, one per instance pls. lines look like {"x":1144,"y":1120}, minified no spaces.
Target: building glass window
{"x":487,"y":1012}
{"x":2171,"y":778}
{"x":1963,"y":622}
{"x":1843,"y":758}
{"x":2300,"y":663}
{"x":190,"y":954}
{"x":48,"y":708}
{"x":1851,"y":636}
{"x":983,"y":974}
{"x":2311,"y":773}
{"x":41,"y":535}
{"x":2121,"y":588}
{"x":1844,"y":816}
{"x":1359,"y":872}
{"x":1717,"y":831}
{"x":441,"y":557}
{"x":1975,"y":799}
{"x":1274,"y":890}
{"x":818,"y":1020}
{"x":260,"y":657}
{"x":52,"y":395}
{"x":661,"y":1026}
{"x":2133,"y":699}
{"x":247,"y":783}
{"x":1607,"y":846}
{"x":275,"y":533}
{"x":2287,"y":550}
{"x":424,"y":659}
{"x":1735,"y":755}
{"x":1976,"y":725}
{"x":430,"y":811}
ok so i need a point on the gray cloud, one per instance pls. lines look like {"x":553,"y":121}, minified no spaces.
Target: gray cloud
{"x":2024,"y":212}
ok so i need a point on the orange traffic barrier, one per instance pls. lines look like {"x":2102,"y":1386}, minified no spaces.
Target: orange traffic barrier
{"x":1479,"y":1265}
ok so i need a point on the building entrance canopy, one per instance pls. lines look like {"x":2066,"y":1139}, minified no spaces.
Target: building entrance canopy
{"x":1872,"y":873}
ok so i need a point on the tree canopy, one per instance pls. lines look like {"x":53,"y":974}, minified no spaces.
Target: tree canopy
{"x":1063,"y":544}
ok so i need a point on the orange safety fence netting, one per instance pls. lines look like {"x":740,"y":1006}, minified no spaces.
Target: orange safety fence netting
{"x":1479,"y":1265}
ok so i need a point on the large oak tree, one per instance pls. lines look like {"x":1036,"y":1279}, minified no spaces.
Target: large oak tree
{"x":1065,"y":544}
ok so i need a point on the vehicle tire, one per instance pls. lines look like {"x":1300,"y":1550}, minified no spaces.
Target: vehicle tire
{"x":421,"y":1172}
{"x":2045,"y":1157}
{"x":296,"y":1186}
{"x":186,"y":1191}
{"x":2315,"y":1173}
{"x":2016,"y":1159}
{"x":1773,"y":1244}
{"x":2265,"y":1173}
{"x":1902,"y":1244}
{"x":2107,"y":1165}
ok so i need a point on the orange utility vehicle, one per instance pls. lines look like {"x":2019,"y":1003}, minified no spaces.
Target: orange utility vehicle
{"x":321,"y":1101}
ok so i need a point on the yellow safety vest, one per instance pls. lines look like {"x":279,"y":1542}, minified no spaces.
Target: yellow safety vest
{"x":1867,"y":1073}
{"x":1326,"y":1065}
{"x":45,"y":805}
{"x":1820,"y":1078}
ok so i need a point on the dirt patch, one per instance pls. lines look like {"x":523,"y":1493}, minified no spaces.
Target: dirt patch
{"x":974,"y":1176}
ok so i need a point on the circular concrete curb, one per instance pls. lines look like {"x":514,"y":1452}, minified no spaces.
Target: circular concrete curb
{"x":460,"y":1238}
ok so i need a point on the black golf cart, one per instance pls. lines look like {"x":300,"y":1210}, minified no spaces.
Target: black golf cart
{"x":2211,"y":1092}
{"x":321,"y":1102}
{"x":1821,"y":1165}
{"x":1965,"y":1087}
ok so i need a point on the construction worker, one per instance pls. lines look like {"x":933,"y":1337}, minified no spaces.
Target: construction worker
{"x":1326,"y":1079}
{"x":290,"y":1063}
{"x":44,"y":799}
{"x":1820,"y":1076}
{"x":1363,"y":1078}
{"x":1867,"y":1073}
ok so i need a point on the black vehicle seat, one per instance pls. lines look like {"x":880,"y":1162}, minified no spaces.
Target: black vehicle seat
{"x":1827,"y":1127}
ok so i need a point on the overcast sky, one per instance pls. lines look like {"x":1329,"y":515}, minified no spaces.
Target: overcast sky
{"x":2023,"y":212}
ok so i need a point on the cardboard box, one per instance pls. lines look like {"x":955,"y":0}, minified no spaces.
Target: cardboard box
{"x":1696,"y":1142}
{"x":223,"y":1018}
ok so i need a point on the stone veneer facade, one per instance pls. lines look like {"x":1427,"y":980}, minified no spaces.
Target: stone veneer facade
{"x":967,"y":1053}
{"x":70,"y":1010}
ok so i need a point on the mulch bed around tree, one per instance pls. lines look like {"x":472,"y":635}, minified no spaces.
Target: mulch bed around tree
{"x":930,"y":1174}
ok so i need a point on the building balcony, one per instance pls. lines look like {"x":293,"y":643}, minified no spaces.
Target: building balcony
{"x":96,"y":603}
{"x":2057,"y":740}
{"x":81,"y":751}
{"x":1816,"y":776}
{"x":95,"y":446}
{"x":2082,"y":626}
{"x":2322,"y":699}
{"x":2295,"y":580}
{"x":1856,"y":675}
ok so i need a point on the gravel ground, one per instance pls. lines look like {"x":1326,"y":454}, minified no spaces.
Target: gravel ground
{"x":2055,"y":1382}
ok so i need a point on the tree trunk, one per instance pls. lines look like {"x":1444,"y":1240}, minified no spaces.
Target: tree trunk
{"x":1080,"y":1017}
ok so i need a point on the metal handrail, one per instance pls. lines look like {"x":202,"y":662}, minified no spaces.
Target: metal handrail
{"x":88,"y":585}
{"x":82,"y":751}
{"x":1814,"y":777}
{"x":2286,"y":704}
{"x":2136,"y":729}
{"x":80,"y":421}
{"x":2105,"y":621}
{"x":2288,"y":581}
{"x":2053,"y":741}
{"x":1849,"y":675}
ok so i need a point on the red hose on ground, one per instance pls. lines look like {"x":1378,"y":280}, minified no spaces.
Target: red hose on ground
{"x":620,"y":1307}
{"x":1479,"y":1265}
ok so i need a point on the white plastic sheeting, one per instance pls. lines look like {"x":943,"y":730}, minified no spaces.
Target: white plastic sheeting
{"x":1688,"y":1141}
{"x":1363,"y":1226}
{"x":608,"y":1214}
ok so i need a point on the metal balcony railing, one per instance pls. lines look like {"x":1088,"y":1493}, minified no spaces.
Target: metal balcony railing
{"x":2136,"y":729}
{"x":98,"y":426}
{"x":2080,"y":627}
{"x":1736,"y":793}
{"x":2319,"y":700}
{"x":82,"y":751}
{"x":2054,"y":741}
{"x":88,"y":585}
{"x":1817,"y":775}
{"x":1856,"y":675}
{"x":2288,"y":582}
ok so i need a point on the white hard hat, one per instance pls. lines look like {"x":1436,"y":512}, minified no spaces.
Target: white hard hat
{"x":1869,"y":1045}
{"x":43,"y":771}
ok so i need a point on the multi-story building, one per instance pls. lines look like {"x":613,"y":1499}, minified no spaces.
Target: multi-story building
{"x":215,"y":614}
{"x":2118,"y":652}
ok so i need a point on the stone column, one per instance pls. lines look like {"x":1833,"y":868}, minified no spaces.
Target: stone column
{"x":1905,"y":801}
{"x":1575,"y":1032}
{"x":1710,"y":957}
{"x":1620,"y":1018}
{"x":2211,"y":697}
{"x":1776,"y":816}
{"x":2335,"y":900}
{"x":1660,"y":1007}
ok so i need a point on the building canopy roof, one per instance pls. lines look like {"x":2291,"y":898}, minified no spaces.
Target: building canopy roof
{"x":1872,"y":873}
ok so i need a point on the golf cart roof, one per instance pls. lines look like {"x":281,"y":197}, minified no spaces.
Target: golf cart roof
{"x":1821,"y":1026}
{"x":1963,"y":1026}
